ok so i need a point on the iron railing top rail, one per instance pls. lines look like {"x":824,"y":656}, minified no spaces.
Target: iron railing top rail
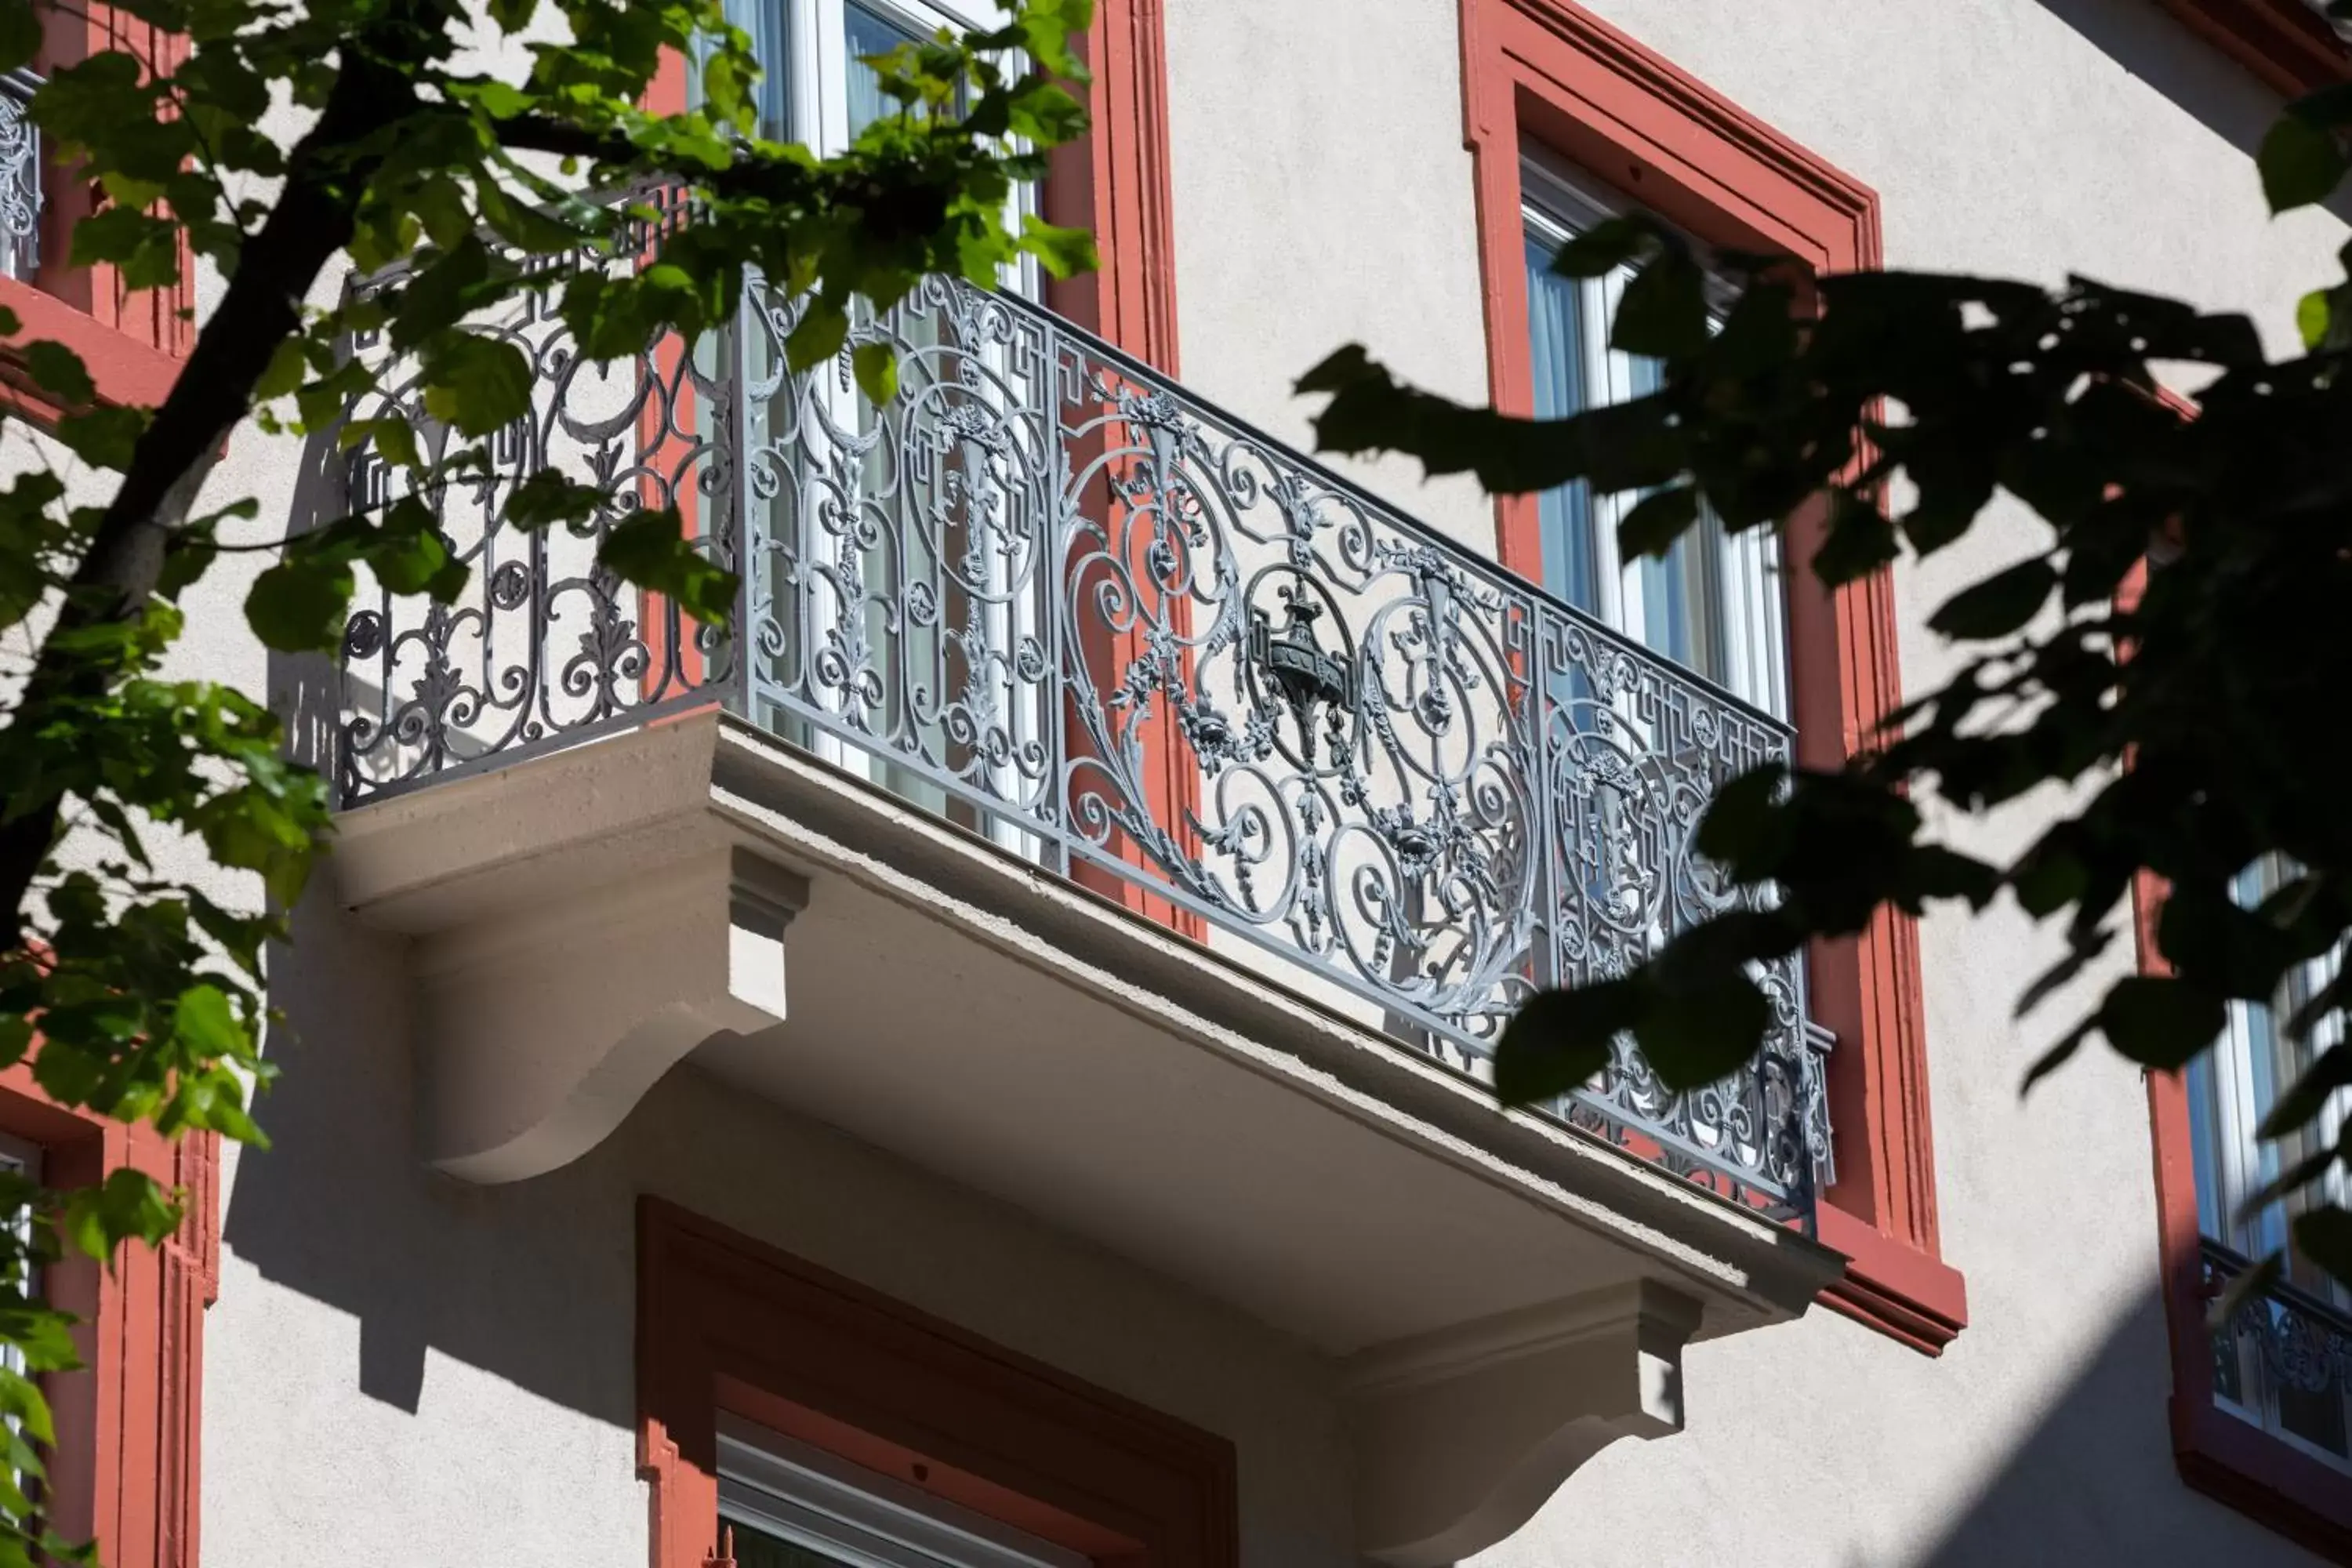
{"x":1504,"y":578}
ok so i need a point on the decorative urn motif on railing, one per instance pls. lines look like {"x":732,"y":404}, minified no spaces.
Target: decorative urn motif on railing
{"x":1044,"y":582}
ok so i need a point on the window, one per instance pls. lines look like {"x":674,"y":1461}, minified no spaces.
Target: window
{"x":788,"y":1504}
{"x":20,"y":178}
{"x":2281,"y":1363}
{"x":1713,"y":603}
{"x":130,"y":342}
{"x":124,"y":1467}
{"x":20,"y":1157}
{"x":817,"y":89}
{"x":829,"y":1427}
{"x":1609,"y":120}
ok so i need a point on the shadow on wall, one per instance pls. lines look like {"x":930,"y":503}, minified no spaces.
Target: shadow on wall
{"x":2188,"y":71}
{"x":534,"y":1282}
{"x":2214,"y":90}
{"x":2093,"y":1481}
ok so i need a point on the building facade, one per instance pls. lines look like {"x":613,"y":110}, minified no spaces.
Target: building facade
{"x":985,"y":1067}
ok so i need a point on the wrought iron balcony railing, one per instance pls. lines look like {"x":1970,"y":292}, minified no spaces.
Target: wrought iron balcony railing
{"x":2284,"y":1358}
{"x":20,"y":177}
{"x":1058,"y":599}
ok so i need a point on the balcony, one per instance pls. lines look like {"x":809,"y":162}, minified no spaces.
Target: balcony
{"x":1159,"y":829}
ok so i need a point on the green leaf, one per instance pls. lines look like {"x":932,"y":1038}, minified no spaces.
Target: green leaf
{"x":1663,"y":311}
{"x":547,"y":499}
{"x":203,"y":1021}
{"x":59,"y":371}
{"x":1999,"y":605}
{"x":297,"y":605}
{"x":1608,"y":245}
{"x":1559,"y":1040}
{"x":2311,"y":316}
{"x":822,"y":328}
{"x":475,"y":385}
{"x":20,"y":33}
{"x":1702,"y":1028}
{"x":2160,"y":1021}
{"x":876,"y":366}
{"x":1063,"y":252}
{"x":127,"y":1205}
{"x":2325,"y":1235}
{"x":103,"y":437}
{"x":2301,"y":162}
{"x":1658,"y":520}
{"x":650,"y":550}
{"x":2302,"y":1103}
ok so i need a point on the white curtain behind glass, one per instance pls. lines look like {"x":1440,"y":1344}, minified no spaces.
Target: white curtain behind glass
{"x":867,"y":34}
{"x":1714,"y":601}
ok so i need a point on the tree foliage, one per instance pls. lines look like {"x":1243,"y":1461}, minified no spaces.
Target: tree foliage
{"x":2194,"y":720}
{"x":472,"y":156}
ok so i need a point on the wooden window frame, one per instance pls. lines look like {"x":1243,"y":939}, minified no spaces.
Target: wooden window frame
{"x":2288,"y":47}
{"x":728,"y":1324}
{"x":1549,"y":71}
{"x":125,"y":1469}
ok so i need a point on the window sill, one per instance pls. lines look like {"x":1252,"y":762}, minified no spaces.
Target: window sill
{"x":2262,"y":1477}
{"x":126,"y":371}
{"x":1907,"y":1294}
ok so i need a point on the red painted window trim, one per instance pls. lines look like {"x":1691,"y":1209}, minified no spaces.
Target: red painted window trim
{"x":1115,"y":184}
{"x":1553,"y":72}
{"x":2251,"y":1470}
{"x":2286,"y":45}
{"x":125,"y":1467}
{"x":727,"y":1325}
{"x":132,"y":344}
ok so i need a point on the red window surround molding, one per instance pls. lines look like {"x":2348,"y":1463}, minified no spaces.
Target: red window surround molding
{"x":124,"y":1471}
{"x":1549,"y":71}
{"x":727,"y":1325}
{"x":2232,"y":1460}
{"x":132,"y":344}
{"x":2287,"y":46}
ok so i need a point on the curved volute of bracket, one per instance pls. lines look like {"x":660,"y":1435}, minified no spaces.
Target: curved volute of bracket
{"x":540,"y":1028}
{"x":1459,"y":1437}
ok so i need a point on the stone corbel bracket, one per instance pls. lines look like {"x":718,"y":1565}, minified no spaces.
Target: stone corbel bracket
{"x":1460,"y":1437}
{"x":574,"y":936}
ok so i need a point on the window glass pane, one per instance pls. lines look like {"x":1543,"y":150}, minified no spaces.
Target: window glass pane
{"x":2270,"y":1364}
{"x":1555,"y":320}
{"x":869,"y":34}
{"x":1712,"y":603}
{"x":755,"y":1548}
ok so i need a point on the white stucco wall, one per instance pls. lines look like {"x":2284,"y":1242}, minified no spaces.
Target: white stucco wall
{"x":2004,"y":136}
{"x":402,"y":1370}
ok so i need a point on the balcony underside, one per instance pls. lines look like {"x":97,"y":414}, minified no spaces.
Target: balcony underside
{"x":1505,"y":1294}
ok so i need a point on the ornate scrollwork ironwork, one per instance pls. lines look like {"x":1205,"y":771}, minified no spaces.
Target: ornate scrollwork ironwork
{"x":20,"y":177}
{"x":544,"y":646}
{"x":1060,"y":599}
{"x":2303,"y":1344}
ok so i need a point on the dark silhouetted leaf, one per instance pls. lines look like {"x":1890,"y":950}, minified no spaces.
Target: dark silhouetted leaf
{"x":1559,"y":1040}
